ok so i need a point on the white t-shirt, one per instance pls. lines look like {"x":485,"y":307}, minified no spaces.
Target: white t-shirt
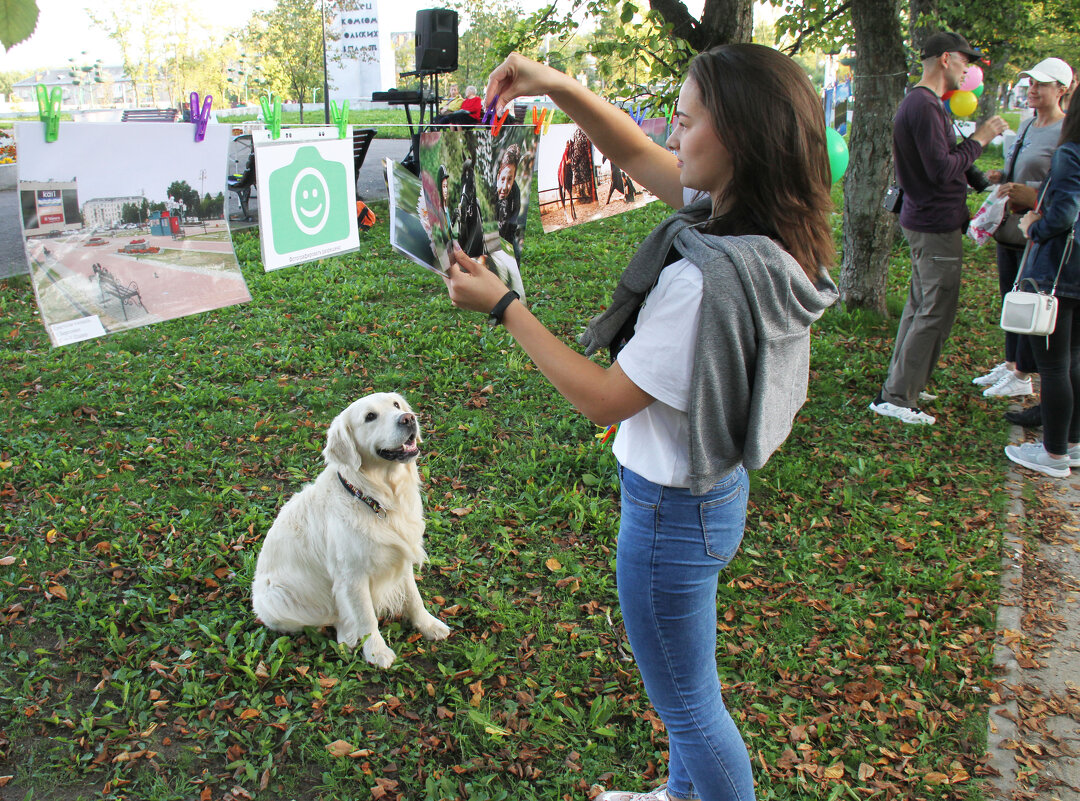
{"x":659,"y":359}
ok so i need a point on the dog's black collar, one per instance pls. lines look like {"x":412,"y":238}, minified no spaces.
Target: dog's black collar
{"x":371,"y":502}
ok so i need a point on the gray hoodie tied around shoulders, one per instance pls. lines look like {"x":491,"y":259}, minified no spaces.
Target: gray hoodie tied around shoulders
{"x":752,"y":360}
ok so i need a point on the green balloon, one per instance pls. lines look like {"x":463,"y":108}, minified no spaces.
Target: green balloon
{"x":838,"y":153}
{"x":978,"y":90}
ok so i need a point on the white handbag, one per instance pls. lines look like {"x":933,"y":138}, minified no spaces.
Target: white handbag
{"x":1034,"y":312}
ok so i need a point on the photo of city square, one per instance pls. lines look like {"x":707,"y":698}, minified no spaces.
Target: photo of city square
{"x":125,"y":225}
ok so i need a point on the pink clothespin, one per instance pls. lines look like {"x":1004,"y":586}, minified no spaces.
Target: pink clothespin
{"x":200,"y":118}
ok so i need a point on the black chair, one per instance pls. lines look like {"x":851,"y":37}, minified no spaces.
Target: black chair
{"x":241,"y":184}
{"x":361,"y":141}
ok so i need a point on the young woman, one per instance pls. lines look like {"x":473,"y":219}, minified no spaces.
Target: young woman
{"x":1027,"y":164}
{"x":1054,"y":264}
{"x":714,"y":312}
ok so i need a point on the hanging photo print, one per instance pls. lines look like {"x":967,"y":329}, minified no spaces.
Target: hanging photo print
{"x":124,"y":225}
{"x":576,"y":184}
{"x":409,"y":236}
{"x":307,"y":195}
{"x":476,"y":190}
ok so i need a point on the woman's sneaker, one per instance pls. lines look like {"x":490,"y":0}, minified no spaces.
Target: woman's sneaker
{"x":659,"y":794}
{"x":1009,"y":386}
{"x":902,"y":413}
{"x":1033,"y":456}
{"x":992,"y":377}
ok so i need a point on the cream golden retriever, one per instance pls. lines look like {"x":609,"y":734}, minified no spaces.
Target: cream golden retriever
{"x":342,"y":550}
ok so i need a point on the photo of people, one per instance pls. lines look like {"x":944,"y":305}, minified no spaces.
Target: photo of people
{"x":124,"y":225}
{"x":410,"y":223}
{"x":575,"y":184}
{"x":474,"y":184}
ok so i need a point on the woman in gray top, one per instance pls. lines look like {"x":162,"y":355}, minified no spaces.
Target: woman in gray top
{"x":1026,"y":165}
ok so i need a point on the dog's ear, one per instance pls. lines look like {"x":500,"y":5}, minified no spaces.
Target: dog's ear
{"x":340,"y":446}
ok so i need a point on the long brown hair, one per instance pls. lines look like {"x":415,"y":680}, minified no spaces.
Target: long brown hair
{"x":1070,"y":126}
{"x":770,"y":119}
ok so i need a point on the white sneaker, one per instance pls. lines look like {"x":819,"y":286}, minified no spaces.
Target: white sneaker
{"x":659,"y":794}
{"x":902,"y":413}
{"x":992,"y":377}
{"x":1033,"y":456}
{"x":1073,"y":455}
{"x":1009,"y":386}
{"x":927,"y":396}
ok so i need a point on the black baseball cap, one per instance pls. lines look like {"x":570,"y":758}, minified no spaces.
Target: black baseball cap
{"x":947,"y":42}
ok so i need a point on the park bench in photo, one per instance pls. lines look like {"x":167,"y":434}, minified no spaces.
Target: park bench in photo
{"x":149,"y":115}
{"x":125,"y":294}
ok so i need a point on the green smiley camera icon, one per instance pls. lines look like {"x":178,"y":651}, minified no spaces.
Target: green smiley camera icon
{"x":308,"y":200}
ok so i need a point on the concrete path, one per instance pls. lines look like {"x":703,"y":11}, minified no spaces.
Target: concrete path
{"x":1034,"y":725}
{"x":12,"y":255}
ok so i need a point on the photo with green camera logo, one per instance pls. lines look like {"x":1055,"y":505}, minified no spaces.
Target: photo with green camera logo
{"x":309,"y":202}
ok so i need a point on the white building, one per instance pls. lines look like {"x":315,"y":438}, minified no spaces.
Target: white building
{"x":104,"y":212}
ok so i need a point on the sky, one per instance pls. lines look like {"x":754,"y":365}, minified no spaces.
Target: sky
{"x":93,"y":155}
{"x":64,"y":30}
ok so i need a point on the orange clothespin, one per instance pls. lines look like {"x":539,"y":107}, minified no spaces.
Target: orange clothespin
{"x":541,"y":123}
{"x":605,"y":435}
{"x":497,"y":122}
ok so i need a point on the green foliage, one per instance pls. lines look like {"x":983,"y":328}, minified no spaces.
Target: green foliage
{"x":489,"y":34}
{"x":287,"y":42}
{"x":139,"y":473}
{"x":18,"y":18}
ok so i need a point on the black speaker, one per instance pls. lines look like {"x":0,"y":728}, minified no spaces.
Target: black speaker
{"x":436,"y":40}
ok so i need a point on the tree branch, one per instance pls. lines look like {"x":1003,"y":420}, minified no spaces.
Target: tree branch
{"x":683,"y":25}
{"x":832,"y":15}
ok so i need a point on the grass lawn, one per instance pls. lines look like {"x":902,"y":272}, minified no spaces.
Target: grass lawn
{"x":139,"y":472}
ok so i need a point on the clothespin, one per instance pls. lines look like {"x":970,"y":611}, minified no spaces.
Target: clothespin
{"x":340,"y":116}
{"x":489,"y":115}
{"x":200,"y":118}
{"x":49,"y":110}
{"x":272,"y":118}
{"x":670,"y":113}
{"x":638,"y":114}
{"x":497,"y":124}
{"x":541,"y":124}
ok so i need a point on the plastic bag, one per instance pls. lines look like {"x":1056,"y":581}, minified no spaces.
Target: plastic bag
{"x":988,"y":218}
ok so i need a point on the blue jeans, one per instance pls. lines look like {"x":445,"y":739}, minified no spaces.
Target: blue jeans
{"x":672,"y":546}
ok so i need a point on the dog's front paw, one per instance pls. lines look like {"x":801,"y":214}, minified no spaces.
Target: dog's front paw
{"x":432,"y":628}
{"x":377,"y":652}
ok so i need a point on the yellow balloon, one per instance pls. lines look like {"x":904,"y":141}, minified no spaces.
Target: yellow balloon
{"x":963,"y":103}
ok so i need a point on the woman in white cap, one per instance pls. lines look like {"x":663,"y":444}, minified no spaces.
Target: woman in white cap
{"x":1026,"y":165}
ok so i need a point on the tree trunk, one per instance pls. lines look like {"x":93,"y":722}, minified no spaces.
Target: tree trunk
{"x":880,"y":76}
{"x":722,"y":22}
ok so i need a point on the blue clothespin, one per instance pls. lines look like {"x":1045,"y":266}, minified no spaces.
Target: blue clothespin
{"x":638,"y":114}
{"x":340,"y":116}
{"x":200,"y":118}
{"x":49,"y":110}
{"x":489,"y":115}
{"x":271,"y":108}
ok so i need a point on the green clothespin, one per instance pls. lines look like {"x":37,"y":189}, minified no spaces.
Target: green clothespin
{"x":272,"y":118}
{"x":340,"y":116}
{"x":49,"y":110}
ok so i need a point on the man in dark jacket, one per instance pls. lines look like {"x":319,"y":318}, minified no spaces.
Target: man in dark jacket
{"x":930,"y":168}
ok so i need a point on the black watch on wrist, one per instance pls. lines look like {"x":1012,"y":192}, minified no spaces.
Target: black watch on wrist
{"x":496,"y":315}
